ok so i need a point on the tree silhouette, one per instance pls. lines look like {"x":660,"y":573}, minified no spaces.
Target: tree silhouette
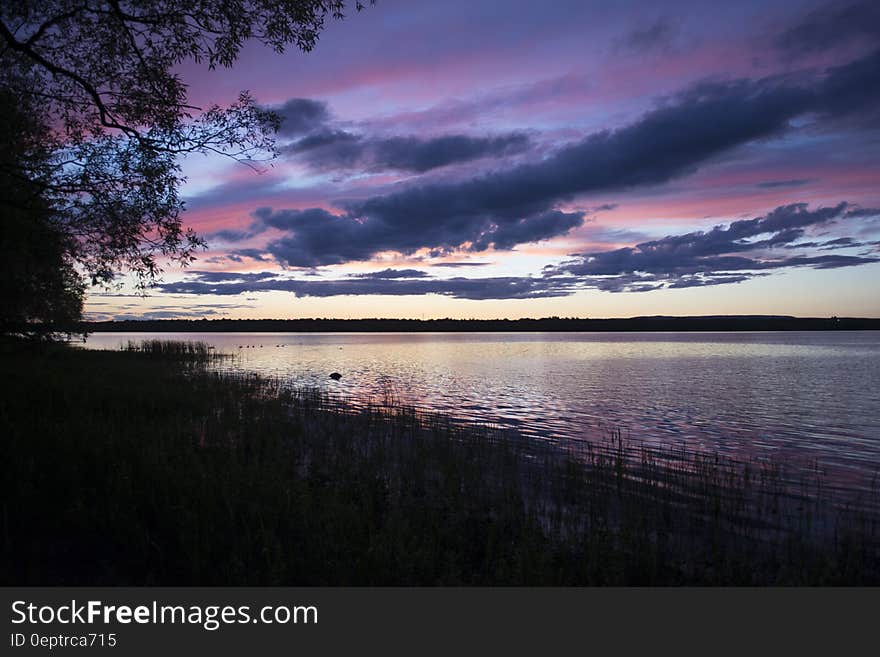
{"x":98,"y":79}
{"x":40,"y":289}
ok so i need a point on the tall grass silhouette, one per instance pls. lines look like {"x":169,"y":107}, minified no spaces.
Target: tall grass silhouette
{"x":195,"y":350}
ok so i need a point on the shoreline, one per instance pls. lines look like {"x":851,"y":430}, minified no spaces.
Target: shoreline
{"x":547,"y":324}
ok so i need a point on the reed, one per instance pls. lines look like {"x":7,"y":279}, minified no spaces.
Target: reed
{"x":194,"y":351}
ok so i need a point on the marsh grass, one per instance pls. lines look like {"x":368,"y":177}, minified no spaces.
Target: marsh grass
{"x":193,"y":351}
{"x":133,"y":468}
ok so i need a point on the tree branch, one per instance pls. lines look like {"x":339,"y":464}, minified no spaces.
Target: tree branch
{"x":105,"y":115}
{"x":51,"y":23}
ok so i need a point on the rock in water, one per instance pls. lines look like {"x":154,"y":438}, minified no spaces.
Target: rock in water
{"x":336,"y":376}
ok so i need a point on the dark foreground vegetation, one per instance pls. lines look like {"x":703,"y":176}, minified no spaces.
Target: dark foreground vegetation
{"x":145,"y":467}
{"x":660,"y":323}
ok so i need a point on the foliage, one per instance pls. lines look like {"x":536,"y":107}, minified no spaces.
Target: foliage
{"x":101,"y":77}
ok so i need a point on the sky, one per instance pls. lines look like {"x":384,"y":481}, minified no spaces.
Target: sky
{"x":483,"y":159}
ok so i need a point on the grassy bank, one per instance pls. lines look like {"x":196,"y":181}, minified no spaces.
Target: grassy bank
{"x":142,"y":467}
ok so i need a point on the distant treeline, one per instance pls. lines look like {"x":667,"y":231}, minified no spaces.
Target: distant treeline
{"x":708,"y":323}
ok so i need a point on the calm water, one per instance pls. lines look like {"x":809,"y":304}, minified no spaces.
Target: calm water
{"x":802,"y":396}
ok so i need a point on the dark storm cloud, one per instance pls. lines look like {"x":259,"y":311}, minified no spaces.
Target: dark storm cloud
{"x":507,"y":235}
{"x":322,"y":144}
{"x":135,"y":312}
{"x":231,"y":235}
{"x":225,"y":276}
{"x":694,"y":281}
{"x":852,"y":88}
{"x":505,"y":287}
{"x":833,"y":25}
{"x":666,"y":143}
{"x":300,"y":116}
{"x":517,"y":205}
{"x":238,"y":256}
{"x":514,"y":204}
{"x":327,"y":138}
{"x":315,"y":237}
{"x":843,"y":243}
{"x":254,"y":254}
{"x":390,"y":274}
{"x":344,"y":150}
{"x":866,"y":213}
{"x":725,"y":254}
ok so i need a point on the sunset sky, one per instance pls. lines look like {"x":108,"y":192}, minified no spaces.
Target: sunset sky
{"x":523,"y":159}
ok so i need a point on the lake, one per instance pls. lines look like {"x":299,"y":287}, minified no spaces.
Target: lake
{"x":801,"y":396}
